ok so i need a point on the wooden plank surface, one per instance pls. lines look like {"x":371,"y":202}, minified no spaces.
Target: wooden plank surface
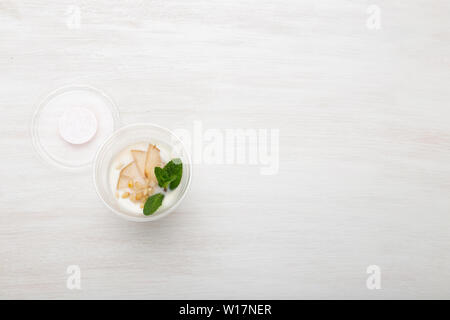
{"x":364,"y":133}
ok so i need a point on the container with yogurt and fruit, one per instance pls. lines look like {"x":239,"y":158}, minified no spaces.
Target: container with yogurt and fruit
{"x":144,"y":178}
{"x":142,"y":172}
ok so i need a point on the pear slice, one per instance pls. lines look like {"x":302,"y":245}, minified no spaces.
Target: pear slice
{"x":123,"y":182}
{"x":130,"y":172}
{"x":139,"y":157}
{"x":152,"y":160}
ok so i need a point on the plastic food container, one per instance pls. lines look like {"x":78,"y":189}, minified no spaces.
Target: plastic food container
{"x":129,"y":135}
{"x":78,"y":127}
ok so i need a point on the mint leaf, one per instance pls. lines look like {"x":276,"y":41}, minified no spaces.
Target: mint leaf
{"x":153,"y":203}
{"x":175,"y":170}
{"x":163,"y":177}
{"x":170,"y":175}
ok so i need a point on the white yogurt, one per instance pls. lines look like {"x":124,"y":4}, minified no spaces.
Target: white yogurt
{"x":122,"y":159}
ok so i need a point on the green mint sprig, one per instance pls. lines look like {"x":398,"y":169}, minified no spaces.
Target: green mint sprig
{"x":168,"y":177}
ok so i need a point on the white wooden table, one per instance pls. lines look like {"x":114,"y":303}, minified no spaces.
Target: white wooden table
{"x":364,"y":176}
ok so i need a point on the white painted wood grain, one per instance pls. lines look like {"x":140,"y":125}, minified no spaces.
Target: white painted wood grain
{"x":364,"y":123}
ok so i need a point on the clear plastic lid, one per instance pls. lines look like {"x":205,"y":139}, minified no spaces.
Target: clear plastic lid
{"x":71,"y":123}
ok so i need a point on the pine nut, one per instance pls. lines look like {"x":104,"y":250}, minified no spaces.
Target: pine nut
{"x":139,"y":196}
